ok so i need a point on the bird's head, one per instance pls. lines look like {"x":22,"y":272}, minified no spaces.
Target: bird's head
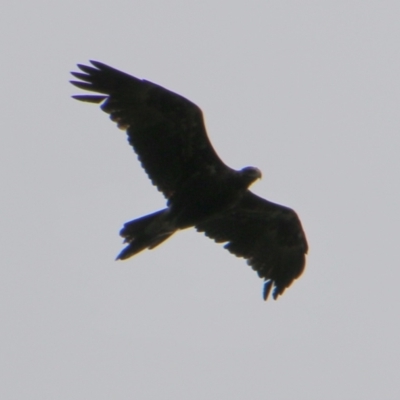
{"x":250,"y":174}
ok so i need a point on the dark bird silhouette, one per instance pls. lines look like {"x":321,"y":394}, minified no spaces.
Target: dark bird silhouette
{"x":168,"y":134}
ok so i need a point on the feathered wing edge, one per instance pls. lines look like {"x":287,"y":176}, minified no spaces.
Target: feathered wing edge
{"x":166,"y":130}
{"x":268,"y":235}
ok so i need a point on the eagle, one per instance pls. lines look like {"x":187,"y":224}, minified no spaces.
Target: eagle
{"x":168,"y":134}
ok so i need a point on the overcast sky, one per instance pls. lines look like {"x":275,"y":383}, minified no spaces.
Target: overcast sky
{"x":307,"y":91}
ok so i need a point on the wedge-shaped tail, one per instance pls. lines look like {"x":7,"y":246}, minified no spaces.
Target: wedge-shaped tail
{"x":145,"y":233}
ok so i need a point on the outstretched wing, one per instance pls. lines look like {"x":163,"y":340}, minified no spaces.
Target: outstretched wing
{"x":166,"y":130}
{"x":268,"y":235}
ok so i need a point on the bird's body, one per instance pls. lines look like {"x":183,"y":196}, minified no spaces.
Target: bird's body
{"x":167,"y":132}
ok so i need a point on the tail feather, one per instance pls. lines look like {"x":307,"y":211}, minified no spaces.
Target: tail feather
{"x":144,"y":233}
{"x":138,"y":226}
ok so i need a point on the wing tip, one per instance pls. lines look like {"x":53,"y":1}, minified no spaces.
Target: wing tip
{"x":89,"y":98}
{"x":97,"y":64}
{"x":267,"y":289}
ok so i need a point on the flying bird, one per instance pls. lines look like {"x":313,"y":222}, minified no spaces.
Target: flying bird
{"x":168,"y":134}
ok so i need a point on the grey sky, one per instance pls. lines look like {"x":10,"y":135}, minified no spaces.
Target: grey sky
{"x":309,"y":92}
